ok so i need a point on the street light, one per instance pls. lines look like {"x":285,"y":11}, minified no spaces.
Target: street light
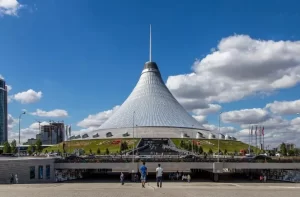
{"x":20,"y":131}
{"x":219,"y":137}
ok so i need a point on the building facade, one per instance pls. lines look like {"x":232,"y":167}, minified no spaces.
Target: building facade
{"x":3,"y":112}
{"x":28,"y":170}
{"x":52,"y":134}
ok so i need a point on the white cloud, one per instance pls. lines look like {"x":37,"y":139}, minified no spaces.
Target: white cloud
{"x":8,"y":88}
{"x":30,"y":96}
{"x":240,"y":67}
{"x":53,"y":113}
{"x":98,"y":119}
{"x":284,"y":107}
{"x":212,"y":108}
{"x":35,"y":126}
{"x":201,"y":119}
{"x":9,"y":7}
{"x":245,"y":116}
{"x":296,"y":121}
{"x":11,"y":122}
{"x":1,"y":77}
{"x":273,"y":122}
{"x":26,"y":133}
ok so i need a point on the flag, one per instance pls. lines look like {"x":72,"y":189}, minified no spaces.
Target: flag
{"x":252,"y":130}
{"x":66,"y":130}
{"x":263,"y":131}
{"x":70,"y":130}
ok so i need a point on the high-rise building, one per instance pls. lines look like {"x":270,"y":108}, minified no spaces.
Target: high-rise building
{"x":3,"y":111}
{"x":52,"y":133}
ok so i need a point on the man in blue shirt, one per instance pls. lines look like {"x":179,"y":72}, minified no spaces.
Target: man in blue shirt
{"x":143,"y":170}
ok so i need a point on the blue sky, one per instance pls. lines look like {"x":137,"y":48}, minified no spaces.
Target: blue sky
{"x":85,"y":57}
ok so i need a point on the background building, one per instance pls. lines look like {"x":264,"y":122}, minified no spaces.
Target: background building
{"x":53,"y":133}
{"x":3,"y":111}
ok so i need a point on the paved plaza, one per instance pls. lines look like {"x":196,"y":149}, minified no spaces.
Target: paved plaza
{"x":205,"y":189}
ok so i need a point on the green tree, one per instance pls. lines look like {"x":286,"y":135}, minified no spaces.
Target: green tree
{"x":38,"y":146}
{"x":291,"y":152}
{"x":225,"y":151}
{"x":64,"y":148}
{"x":91,"y":152}
{"x":210,"y":152}
{"x":6,"y":147}
{"x":30,"y":149}
{"x":196,"y":149}
{"x":200,"y":150}
{"x":98,"y":151}
{"x":125,"y":146}
{"x":13,"y":145}
{"x":107,"y":151}
{"x":182,"y":143}
{"x":46,"y":151}
{"x":190,"y":147}
{"x":283,"y":149}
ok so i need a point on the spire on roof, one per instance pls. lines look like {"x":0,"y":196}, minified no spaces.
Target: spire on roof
{"x":150,"y":49}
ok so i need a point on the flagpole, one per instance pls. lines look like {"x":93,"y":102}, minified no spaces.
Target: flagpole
{"x":249,"y":140}
{"x":256,"y":138}
{"x":259,"y":137}
{"x":251,"y":136}
{"x":263,"y":133}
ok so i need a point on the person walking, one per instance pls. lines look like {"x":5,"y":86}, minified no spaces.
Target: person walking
{"x":143,"y":170}
{"x":122,"y":178}
{"x":16,"y":179}
{"x":11,"y":179}
{"x":159,"y":173}
{"x":189,"y":178}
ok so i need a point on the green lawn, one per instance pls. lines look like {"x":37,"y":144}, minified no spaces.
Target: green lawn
{"x":230,"y":145}
{"x":112,"y":144}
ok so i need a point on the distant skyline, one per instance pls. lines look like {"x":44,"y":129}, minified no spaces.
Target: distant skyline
{"x":78,"y":61}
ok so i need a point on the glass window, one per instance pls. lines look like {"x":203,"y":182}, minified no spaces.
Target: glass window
{"x":47,"y":171}
{"x":41,"y":171}
{"x":32,"y":172}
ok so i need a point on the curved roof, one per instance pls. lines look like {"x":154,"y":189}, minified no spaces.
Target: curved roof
{"x":151,"y":104}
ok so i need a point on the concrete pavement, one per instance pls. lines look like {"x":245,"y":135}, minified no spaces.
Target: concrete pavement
{"x":206,"y":189}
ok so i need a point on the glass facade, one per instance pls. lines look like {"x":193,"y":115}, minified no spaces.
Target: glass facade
{"x":47,"y":171}
{"x":41,"y":172}
{"x":32,"y":172}
{"x":3,"y":112}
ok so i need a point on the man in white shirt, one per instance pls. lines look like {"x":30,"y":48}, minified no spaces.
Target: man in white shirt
{"x":159,"y":173}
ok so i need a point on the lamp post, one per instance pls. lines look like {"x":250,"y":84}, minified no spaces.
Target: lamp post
{"x":20,"y":116}
{"x":133,"y":137}
{"x":298,"y":115}
{"x":219,"y":136}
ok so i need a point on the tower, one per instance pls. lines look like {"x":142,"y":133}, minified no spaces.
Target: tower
{"x":149,"y":106}
{"x":3,"y":112}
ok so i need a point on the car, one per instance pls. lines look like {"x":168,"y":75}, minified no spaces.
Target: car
{"x":262,"y":158}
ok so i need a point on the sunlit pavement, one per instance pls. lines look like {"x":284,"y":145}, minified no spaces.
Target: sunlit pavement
{"x":208,"y":189}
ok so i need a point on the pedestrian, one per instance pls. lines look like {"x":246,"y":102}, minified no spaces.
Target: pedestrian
{"x":11,"y":179}
{"x":16,"y":179}
{"x":261,"y":178}
{"x":159,"y":173}
{"x":265,"y":178}
{"x":189,"y":178}
{"x":122,"y":178}
{"x":143,"y":170}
